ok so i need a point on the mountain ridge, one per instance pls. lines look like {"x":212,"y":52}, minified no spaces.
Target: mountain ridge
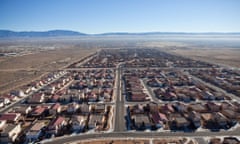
{"x":57,"y":33}
{"x":50,"y":33}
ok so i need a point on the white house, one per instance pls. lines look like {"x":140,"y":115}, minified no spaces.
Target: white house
{"x":55,"y":109}
{"x":56,"y":125}
{"x":9,"y":133}
{"x":78,"y":122}
{"x":72,"y":107}
{"x":23,"y":109}
{"x":1,"y":103}
{"x":35,"y":131}
{"x":2,"y":123}
{"x":5,"y":100}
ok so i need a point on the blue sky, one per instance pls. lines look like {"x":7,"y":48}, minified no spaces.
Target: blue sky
{"x":99,"y":16}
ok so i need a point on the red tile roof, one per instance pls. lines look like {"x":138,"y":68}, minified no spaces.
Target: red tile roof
{"x":10,"y":116}
{"x":56,"y":106}
{"x":58,"y":121}
{"x":39,"y":110}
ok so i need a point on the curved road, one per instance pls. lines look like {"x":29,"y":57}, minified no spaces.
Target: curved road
{"x":69,"y":139}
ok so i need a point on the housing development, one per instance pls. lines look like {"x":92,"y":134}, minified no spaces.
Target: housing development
{"x":146,"y":95}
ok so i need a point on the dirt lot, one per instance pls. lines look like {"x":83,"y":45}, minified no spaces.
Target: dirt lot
{"x":44,"y":60}
{"x":218,"y":52}
{"x":228,"y":57}
{"x":15,"y":71}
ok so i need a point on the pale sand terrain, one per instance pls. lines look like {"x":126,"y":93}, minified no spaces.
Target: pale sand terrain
{"x":44,"y":60}
{"x":16,"y":71}
{"x":12,"y":79}
{"x":226,"y":57}
{"x":217,"y":54}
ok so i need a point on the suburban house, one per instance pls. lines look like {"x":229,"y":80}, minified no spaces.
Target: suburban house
{"x":2,"y":123}
{"x":195,"y":118}
{"x":10,"y":133}
{"x":54,"y":98}
{"x":56,"y":125}
{"x":95,"y":120}
{"x":37,"y":98}
{"x":55,"y":109}
{"x":179,"y":121}
{"x":141,"y":121}
{"x":206,"y":117}
{"x":35,"y":131}
{"x":198,"y":107}
{"x":1,"y":103}
{"x":50,"y":89}
{"x":4,"y":101}
{"x":9,"y":98}
{"x":72,"y":107}
{"x":180,"y":107}
{"x":99,"y":108}
{"x":84,"y":108}
{"x":11,"y":117}
{"x":220,"y":119}
{"x":156,"y":119}
{"x":230,"y":114}
{"x":24,"y":110}
{"x":78,"y":122}
{"x":213,"y":107}
{"x":38,"y":111}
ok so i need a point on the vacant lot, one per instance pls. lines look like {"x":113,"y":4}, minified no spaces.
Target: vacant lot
{"x":44,"y":60}
{"x":224,"y":56}
{"x":15,"y":71}
{"x":220,"y":49}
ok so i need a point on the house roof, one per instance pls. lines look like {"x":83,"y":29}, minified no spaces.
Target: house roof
{"x":10,"y":116}
{"x":38,"y":126}
{"x":38,"y":110}
{"x":141,"y":118}
{"x":8,"y":128}
{"x":198,"y":107}
{"x":55,"y":97}
{"x":100,"y":107}
{"x":163,"y":116}
{"x":58,"y":121}
{"x":181,"y":120}
{"x":79,"y":118}
{"x":95,"y":118}
{"x":8,"y":97}
{"x":55,"y":106}
{"x":206,"y":116}
{"x":21,"y":109}
{"x":155,"y":117}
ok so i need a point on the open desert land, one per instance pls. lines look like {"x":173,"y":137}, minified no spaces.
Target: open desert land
{"x":221,"y":50}
{"x":19,"y":70}
{"x":12,"y":79}
{"x":224,"y":56}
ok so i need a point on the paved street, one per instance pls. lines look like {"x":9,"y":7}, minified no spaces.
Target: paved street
{"x":119,"y":124}
{"x":203,"y":134}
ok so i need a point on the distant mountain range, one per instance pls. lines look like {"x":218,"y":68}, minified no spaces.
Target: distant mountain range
{"x":58,"y":33}
{"x":52,"y":33}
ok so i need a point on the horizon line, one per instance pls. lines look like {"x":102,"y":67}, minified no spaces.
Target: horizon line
{"x":120,"y":32}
